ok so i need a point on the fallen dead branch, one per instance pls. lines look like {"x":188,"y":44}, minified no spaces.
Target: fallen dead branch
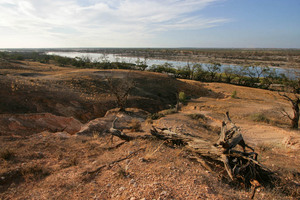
{"x":109,"y":165}
{"x":241,"y":166}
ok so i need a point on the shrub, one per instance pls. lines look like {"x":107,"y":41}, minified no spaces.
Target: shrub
{"x":259,"y":117}
{"x":234,"y":94}
{"x":182,"y":97}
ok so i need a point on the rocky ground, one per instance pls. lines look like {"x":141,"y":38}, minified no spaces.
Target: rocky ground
{"x":51,"y":151}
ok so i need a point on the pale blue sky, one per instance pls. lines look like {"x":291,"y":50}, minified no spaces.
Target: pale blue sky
{"x":150,"y":23}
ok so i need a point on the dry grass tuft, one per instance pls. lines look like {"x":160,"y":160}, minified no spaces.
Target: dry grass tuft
{"x":265,"y":147}
{"x":260,"y":117}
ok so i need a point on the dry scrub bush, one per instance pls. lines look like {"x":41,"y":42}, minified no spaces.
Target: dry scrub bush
{"x":265,"y":147}
{"x":234,"y":94}
{"x":151,"y":151}
{"x":259,"y":117}
{"x":122,"y":172}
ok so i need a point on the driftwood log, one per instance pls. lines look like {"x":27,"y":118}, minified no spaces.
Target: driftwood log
{"x":240,"y":165}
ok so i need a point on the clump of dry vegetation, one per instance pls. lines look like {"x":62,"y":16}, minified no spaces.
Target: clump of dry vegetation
{"x":260,"y":117}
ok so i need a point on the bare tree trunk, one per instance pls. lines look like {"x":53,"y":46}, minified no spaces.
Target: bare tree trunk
{"x":295,"y":106}
{"x":295,"y":119}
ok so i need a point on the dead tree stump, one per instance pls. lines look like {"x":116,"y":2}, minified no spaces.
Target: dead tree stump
{"x":241,"y":166}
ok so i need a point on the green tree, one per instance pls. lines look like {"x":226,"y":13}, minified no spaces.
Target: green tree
{"x":213,"y":69}
{"x":229,"y":74}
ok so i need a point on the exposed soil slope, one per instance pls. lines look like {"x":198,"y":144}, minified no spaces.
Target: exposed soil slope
{"x":29,"y":87}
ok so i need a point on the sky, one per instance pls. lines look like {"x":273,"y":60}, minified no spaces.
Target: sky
{"x":150,"y":23}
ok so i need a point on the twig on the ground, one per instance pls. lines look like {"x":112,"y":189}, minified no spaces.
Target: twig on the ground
{"x":109,"y":165}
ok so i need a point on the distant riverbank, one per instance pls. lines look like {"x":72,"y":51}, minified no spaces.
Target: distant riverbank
{"x":102,"y":57}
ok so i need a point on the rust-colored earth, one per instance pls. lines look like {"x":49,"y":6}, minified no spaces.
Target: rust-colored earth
{"x":42,"y":157}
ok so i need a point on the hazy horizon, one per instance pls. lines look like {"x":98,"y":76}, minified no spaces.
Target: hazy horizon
{"x":247,"y":24}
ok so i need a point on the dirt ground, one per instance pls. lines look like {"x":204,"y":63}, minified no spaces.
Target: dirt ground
{"x":54,"y":164}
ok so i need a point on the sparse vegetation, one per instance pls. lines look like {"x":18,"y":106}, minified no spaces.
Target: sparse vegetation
{"x":234,"y":94}
{"x":252,"y":74}
{"x":259,"y":117}
{"x":265,"y":147}
{"x":182,"y":97}
{"x":35,"y":161}
{"x":122,"y":172}
{"x":121,"y":88}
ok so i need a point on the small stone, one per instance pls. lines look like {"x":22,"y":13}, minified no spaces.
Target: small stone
{"x":132,"y":198}
{"x":108,"y":185}
{"x":122,"y":188}
{"x":2,"y":177}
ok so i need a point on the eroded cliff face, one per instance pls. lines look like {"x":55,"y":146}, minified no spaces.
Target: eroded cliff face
{"x":29,"y":124}
{"x":29,"y":87}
